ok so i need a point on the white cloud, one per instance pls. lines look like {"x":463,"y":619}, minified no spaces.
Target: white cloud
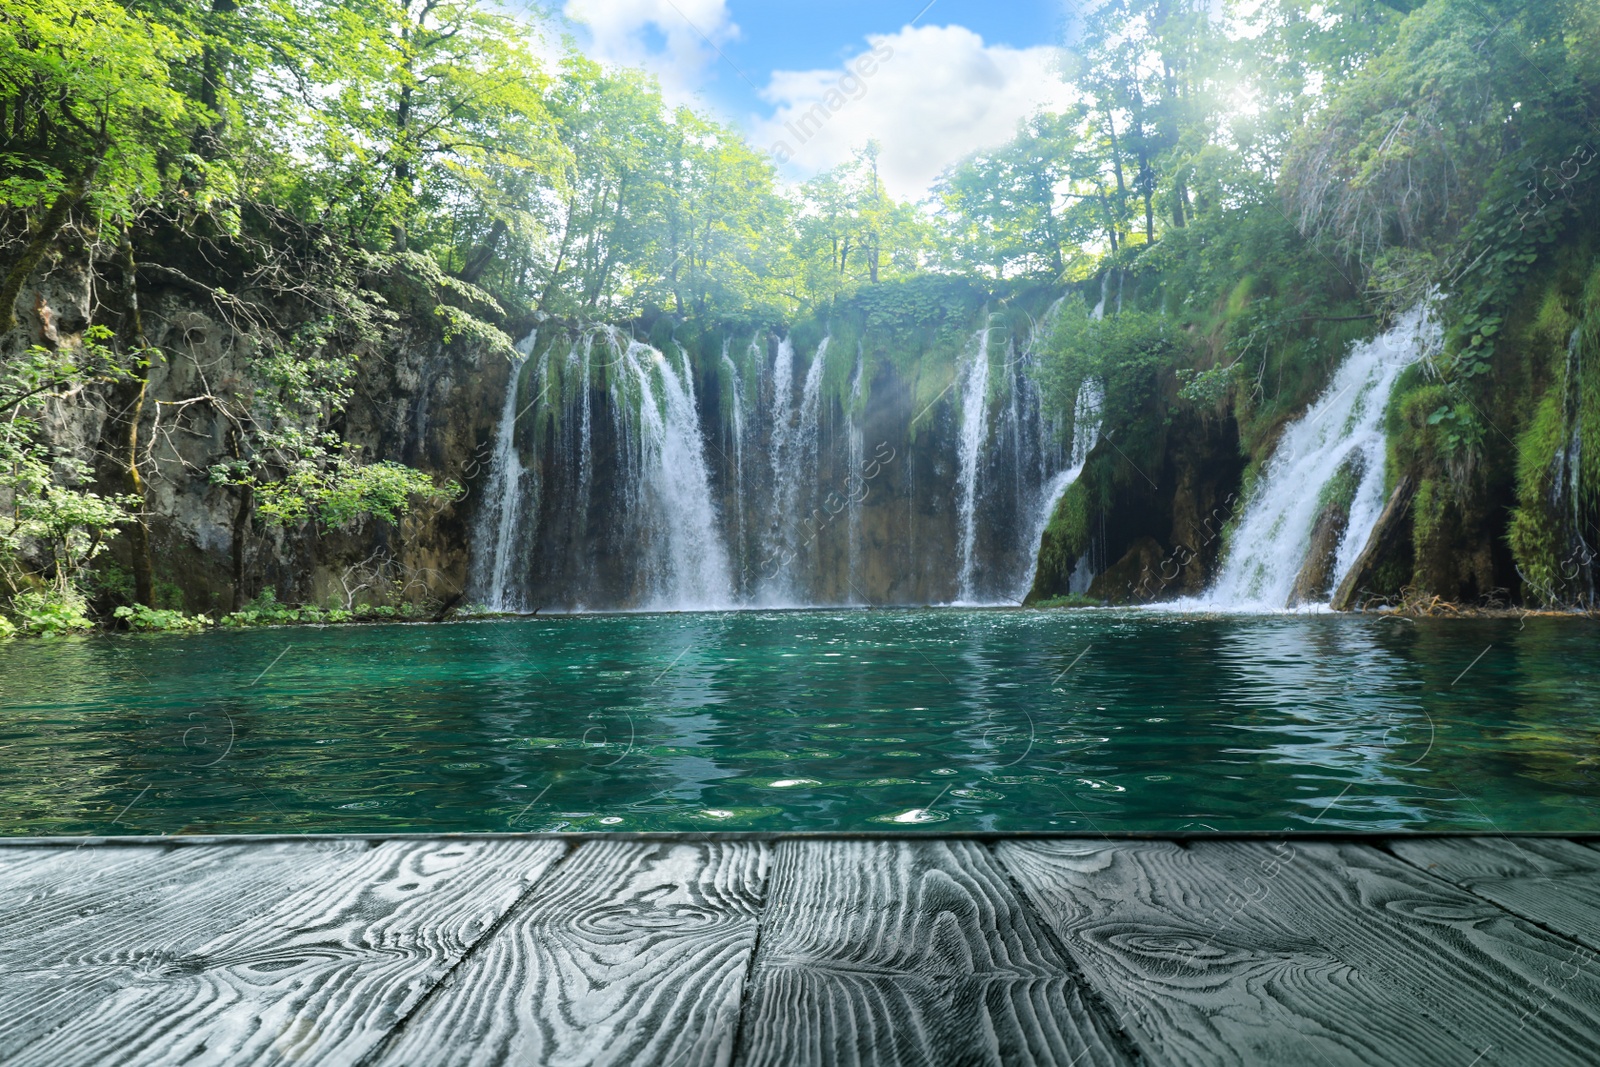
{"x":929,"y":94}
{"x":676,"y":40}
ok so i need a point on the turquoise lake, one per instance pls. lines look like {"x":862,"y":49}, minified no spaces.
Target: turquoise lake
{"x":939,"y":719}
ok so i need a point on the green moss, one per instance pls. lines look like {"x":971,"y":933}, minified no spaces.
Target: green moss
{"x":1341,"y":488}
{"x":1071,"y":600}
{"x":1427,"y":521}
{"x":1589,"y":392}
{"x":1535,"y":532}
{"x":1069,"y":529}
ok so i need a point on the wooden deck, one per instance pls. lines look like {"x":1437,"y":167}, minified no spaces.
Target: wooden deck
{"x":799,"y":951}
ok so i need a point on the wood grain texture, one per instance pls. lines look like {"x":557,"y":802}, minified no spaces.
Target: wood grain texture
{"x":878,"y":952}
{"x":319,"y":975}
{"x":77,"y":924}
{"x":1515,"y":993}
{"x":1465,"y":859}
{"x":1200,"y":975}
{"x":1554,"y":883}
{"x":631,"y":953}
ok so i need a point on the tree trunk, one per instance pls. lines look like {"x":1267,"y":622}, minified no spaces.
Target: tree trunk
{"x":127,"y":408}
{"x":38,"y":244}
{"x":1385,"y":535}
{"x":1111,"y":219}
{"x":561,"y":258}
{"x":1316,"y":573}
{"x":1116,"y":166}
{"x":241,"y":527}
{"x":213,"y":56}
{"x":479,"y":261}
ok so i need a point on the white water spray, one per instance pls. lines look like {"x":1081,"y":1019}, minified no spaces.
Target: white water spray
{"x":736,"y":403}
{"x":857,"y":450}
{"x":1086,"y":416}
{"x":795,"y":442}
{"x":498,"y":521}
{"x":675,"y":513}
{"x":974,"y":431}
{"x":1343,"y":428}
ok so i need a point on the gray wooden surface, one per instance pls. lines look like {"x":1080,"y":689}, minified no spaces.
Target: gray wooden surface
{"x":802,"y":951}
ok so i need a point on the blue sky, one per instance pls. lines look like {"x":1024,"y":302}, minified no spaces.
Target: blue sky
{"x":959,"y":79}
{"x":788,"y":35}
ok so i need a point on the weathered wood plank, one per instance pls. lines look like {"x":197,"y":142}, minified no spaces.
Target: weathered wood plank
{"x":1554,"y":883}
{"x":1514,"y":992}
{"x":911,"y":952}
{"x":1465,"y":859}
{"x":18,"y":865}
{"x":631,"y":953}
{"x":1200,"y":976}
{"x":320,"y":976}
{"x":105,"y":906}
{"x":77,"y":924}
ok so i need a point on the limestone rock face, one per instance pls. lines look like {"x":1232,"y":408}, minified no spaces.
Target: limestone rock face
{"x":417,"y":400}
{"x":1314,"y":584}
{"x":1162,"y":512}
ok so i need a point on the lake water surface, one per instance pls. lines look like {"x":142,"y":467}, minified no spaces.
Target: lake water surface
{"x":941,"y":719}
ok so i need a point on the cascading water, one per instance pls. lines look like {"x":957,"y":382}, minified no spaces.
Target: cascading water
{"x":974,"y":432}
{"x":1086,"y":415}
{"x":795,"y":441}
{"x":1576,"y":575}
{"x":736,"y":404}
{"x":581,"y":362}
{"x":807,"y":438}
{"x":620,"y":505}
{"x":676,"y":514}
{"x":774,"y":542}
{"x":857,"y":448}
{"x":1340,"y":432}
{"x":498,"y":522}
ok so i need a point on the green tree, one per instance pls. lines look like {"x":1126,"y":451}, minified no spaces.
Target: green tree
{"x":90,"y":125}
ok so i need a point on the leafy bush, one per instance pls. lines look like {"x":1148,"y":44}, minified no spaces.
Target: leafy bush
{"x":264,"y":610}
{"x":160,"y":620}
{"x":51,"y":613}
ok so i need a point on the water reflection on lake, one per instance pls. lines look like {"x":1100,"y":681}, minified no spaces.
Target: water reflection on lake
{"x":937,"y":719}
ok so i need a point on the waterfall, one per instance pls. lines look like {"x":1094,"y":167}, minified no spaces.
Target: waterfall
{"x":736,"y":403}
{"x":1086,"y":413}
{"x":496,"y":532}
{"x":973,"y":433}
{"x":1340,"y":431}
{"x":673,"y":512}
{"x":857,"y":446}
{"x":806,"y":461}
{"x":774,"y":543}
{"x":634,"y":497}
{"x":580,"y":359}
{"x":795,"y":441}
{"x":1566,"y":497}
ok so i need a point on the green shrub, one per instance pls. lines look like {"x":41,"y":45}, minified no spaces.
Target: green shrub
{"x":51,"y":613}
{"x":264,"y":610}
{"x":161,"y":620}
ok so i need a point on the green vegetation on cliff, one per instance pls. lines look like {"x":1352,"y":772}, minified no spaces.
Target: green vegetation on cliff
{"x":1445,"y":154}
{"x":1241,"y":191}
